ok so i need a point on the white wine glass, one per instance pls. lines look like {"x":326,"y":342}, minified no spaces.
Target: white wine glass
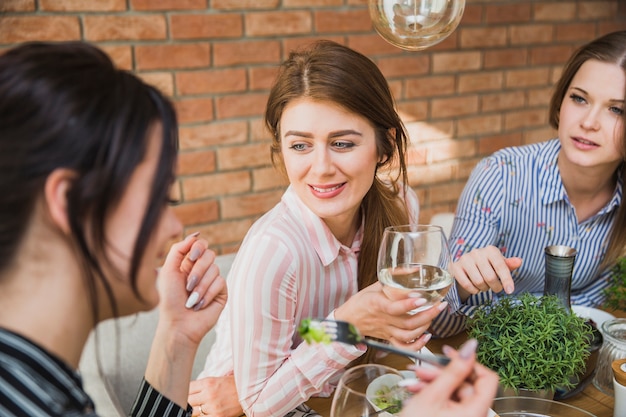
{"x":413,"y":260}
{"x":368,"y":390}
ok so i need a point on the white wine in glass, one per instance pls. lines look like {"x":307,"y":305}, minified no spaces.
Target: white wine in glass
{"x":368,"y":390}
{"x":414,"y":259}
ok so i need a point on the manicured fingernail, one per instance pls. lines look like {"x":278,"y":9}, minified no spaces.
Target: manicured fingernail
{"x":419,"y":302}
{"x":447,"y":350}
{"x":509,"y":289}
{"x":199,"y":305}
{"x":195,"y":254}
{"x":442,"y":306}
{"x":426,"y":337}
{"x":407,"y":382}
{"x":192,"y":300}
{"x":194,"y":234}
{"x":191,"y":282}
{"x":467,"y":350}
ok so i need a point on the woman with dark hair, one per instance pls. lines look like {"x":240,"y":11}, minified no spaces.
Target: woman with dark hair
{"x":566,"y":191}
{"x":335,"y":134}
{"x":87,"y":158}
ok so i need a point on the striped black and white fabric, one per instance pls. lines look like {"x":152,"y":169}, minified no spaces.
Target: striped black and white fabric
{"x":34,"y":382}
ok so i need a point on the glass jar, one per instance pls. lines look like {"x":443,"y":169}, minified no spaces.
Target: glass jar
{"x":613,"y":347}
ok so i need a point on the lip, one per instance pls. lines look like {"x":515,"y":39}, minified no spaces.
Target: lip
{"x":583,"y":143}
{"x":327,"y":190}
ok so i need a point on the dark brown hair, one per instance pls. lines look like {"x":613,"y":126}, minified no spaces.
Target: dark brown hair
{"x":610,"y":48}
{"x":65,"y":105}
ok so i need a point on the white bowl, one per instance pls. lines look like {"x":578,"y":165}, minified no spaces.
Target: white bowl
{"x":598,"y":316}
{"x":382,"y":381}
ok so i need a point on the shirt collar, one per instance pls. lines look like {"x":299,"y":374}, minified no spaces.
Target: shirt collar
{"x":326,"y":245}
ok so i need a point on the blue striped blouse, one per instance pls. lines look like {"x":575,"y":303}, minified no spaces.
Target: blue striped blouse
{"x":515,"y":200}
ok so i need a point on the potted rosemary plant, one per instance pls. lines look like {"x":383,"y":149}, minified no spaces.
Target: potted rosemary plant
{"x":533,"y":343}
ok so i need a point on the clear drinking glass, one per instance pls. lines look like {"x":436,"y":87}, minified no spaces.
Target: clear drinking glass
{"x":366,"y":390}
{"x":613,"y":347}
{"x":414,"y":259}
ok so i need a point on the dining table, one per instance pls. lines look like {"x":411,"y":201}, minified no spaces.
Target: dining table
{"x":590,"y":399}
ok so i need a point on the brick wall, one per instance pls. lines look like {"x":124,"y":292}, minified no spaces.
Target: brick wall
{"x":485,"y":87}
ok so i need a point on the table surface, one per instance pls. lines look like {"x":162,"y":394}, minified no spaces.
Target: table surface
{"x":590,"y":399}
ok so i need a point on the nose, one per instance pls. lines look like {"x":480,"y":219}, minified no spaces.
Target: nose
{"x":590,"y":120}
{"x":322,"y":161}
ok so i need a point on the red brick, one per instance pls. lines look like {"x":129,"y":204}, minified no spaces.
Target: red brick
{"x":489,"y":144}
{"x":278,"y":23}
{"x":483,"y":37}
{"x":465,"y":167}
{"x":430,"y":174}
{"x":531,"y":34}
{"x":372,"y":44}
{"x":596,"y":9}
{"x":507,"y":13}
{"x":268,"y":178}
{"x":15,"y":29}
{"x":124,"y":27}
{"x":246,"y":52}
{"x":527,"y":77}
{"x":413,"y":110}
{"x":211,"y":81}
{"x":505,"y":58}
{"x":198,"y":162}
{"x":445,"y":193}
{"x":481,"y":81}
{"x":333,"y":21}
{"x":122,"y":55}
{"x":456,"y":61}
{"x":416,"y":156}
{"x":226,"y":233}
{"x":501,"y":101}
{"x":539,"y":97}
{"x":243,"y":4}
{"x":200,"y":26}
{"x":191,"y":110}
{"x":168,"y":4}
{"x":161,"y":80}
{"x":169,"y":56}
{"x":82,"y":5}
{"x":223,"y":133}
{"x":450,"y":149}
{"x":575,"y":31}
{"x":421,"y":132}
{"x":197,"y":212}
{"x":241,"y":105}
{"x":258,"y":131}
{"x":539,"y":134}
{"x":430,"y":86}
{"x":454,"y":106}
{"x":473,"y":14}
{"x":311,"y":3}
{"x":525,"y":119}
{"x":479,"y":125}
{"x":262,"y":78}
{"x":206,"y":186}
{"x":17,"y":6}
{"x":243,"y":156}
{"x":608,"y":27}
{"x":249,"y":204}
{"x":557,"y":54}
{"x":405,"y":65}
{"x":557,"y":11}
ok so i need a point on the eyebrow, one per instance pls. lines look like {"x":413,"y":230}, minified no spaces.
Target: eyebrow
{"x":336,"y":134}
{"x":613,"y":100}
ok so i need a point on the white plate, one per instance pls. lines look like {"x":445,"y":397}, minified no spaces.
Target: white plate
{"x":598,"y":316}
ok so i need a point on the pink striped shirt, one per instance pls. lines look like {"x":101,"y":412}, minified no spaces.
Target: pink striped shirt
{"x":289,"y":267}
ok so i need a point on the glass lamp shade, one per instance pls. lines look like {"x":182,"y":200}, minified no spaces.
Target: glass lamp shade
{"x":415,"y":24}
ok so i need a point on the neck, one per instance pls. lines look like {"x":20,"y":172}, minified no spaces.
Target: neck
{"x":589,"y":188}
{"x":44,"y":299}
{"x":344,"y":228}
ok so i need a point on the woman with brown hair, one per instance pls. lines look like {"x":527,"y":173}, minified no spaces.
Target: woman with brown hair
{"x":334,"y":128}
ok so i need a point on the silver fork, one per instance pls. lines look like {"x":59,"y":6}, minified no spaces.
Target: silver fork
{"x":344,"y":332}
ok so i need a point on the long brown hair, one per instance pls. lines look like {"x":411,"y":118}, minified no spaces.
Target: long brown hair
{"x":610,"y":48}
{"x":328,"y":71}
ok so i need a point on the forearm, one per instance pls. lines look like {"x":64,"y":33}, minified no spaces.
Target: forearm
{"x":170,"y":365}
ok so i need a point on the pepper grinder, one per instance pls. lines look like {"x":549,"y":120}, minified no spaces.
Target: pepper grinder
{"x":619,"y":387}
